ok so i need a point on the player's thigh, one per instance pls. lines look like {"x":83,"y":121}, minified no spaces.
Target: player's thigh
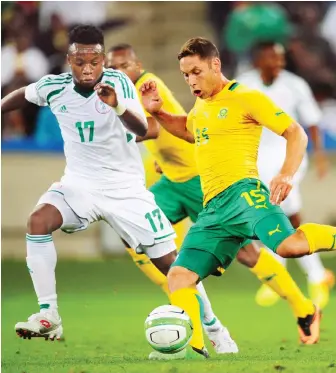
{"x":140,"y":222}
{"x":207,"y":249}
{"x":293,"y":203}
{"x":168,"y":200}
{"x":274,"y":228}
{"x":62,"y":198}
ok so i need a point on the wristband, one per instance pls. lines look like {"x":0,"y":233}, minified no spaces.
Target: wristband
{"x":120,"y":109}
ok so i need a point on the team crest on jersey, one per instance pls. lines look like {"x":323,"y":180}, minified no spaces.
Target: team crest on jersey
{"x":222,"y":113}
{"x":101,"y":107}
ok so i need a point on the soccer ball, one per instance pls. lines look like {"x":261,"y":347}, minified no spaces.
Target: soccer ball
{"x":168,"y":329}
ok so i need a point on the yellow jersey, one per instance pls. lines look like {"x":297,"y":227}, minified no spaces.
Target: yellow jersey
{"x":174,"y":156}
{"x":227,"y":129}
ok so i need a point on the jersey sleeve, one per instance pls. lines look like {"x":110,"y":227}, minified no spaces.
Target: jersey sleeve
{"x":262,"y":110}
{"x":308,"y":110}
{"x":39,"y":93}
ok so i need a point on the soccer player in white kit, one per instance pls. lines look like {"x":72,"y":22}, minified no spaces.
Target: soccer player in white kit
{"x":294,"y":96}
{"x":100,"y":115}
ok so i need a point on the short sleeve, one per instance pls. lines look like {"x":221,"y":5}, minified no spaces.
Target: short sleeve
{"x":261,"y":109}
{"x":34,"y":96}
{"x":41,"y":92}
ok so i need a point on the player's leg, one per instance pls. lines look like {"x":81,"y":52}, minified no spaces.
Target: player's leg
{"x":172,"y":208}
{"x":311,"y":265}
{"x":51,"y":213}
{"x":275,"y":275}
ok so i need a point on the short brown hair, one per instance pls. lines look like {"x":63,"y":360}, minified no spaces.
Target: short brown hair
{"x":201,"y":47}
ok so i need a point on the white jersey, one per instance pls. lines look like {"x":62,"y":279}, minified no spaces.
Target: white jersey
{"x":294,"y":96}
{"x":100,"y":153}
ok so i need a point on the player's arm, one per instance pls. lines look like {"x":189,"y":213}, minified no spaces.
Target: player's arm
{"x":152,"y":132}
{"x":263,"y":111}
{"x":14,"y":100}
{"x":310,"y":115}
{"x":132,"y":120}
{"x":152,"y":102}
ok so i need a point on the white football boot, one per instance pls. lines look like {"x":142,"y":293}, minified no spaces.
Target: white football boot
{"x":220,"y":338}
{"x":46,"y":324}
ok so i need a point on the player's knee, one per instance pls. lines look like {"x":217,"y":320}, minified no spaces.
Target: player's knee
{"x":180,"y":277}
{"x":248,"y":255}
{"x":294,"y":246}
{"x":44,"y":220}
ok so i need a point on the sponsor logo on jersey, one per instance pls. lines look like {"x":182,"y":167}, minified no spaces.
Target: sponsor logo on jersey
{"x":63,"y":109}
{"x":279,"y":113}
{"x":101,"y":107}
{"x":223,"y":113}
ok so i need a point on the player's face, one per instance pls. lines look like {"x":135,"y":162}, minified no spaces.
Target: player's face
{"x":271,"y":60}
{"x":125,"y":61}
{"x":200,"y":74}
{"x":86,"y":64}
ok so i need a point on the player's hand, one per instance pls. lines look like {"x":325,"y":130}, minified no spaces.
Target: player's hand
{"x":157,"y":168}
{"x":280,"y":187}
{"x":321,"y":164}
{"x":107,"y":94}
{"x":150,"y":97}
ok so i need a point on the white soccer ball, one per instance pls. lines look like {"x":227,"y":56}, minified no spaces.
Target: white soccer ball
{"x":168,"y":329}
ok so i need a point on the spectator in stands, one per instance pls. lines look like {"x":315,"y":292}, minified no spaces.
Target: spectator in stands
{"x":328,"y":28}
{"x":21,"y":61}
{"x":21,"y":64}
{"x":54,"y":43}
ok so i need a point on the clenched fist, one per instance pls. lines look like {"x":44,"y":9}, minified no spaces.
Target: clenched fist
{"x":151,"y":99}
{"x":107,"y":94}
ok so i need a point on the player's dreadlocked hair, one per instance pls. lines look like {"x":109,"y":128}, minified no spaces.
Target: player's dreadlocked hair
{"x":86,"y":34}
{"x":201,"y":47}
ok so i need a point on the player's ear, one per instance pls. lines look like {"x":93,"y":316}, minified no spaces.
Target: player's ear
{"x":68,"y":60}
{"x":216,"y":64}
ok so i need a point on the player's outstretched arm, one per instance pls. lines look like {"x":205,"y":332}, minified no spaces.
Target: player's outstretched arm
{"x":152,"y":132}
{"x":152,"y":102}
{"x":14,"y":100}
{"x":132,"y":121}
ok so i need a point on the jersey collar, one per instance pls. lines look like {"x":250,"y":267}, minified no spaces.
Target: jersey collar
{"x":231,"y":86}
{"x":144,"y":72}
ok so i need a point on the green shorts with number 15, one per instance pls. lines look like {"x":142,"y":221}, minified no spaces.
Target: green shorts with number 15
{"x":228,"y":222}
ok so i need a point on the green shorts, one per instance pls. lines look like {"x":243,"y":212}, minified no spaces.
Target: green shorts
{"x":228,"y":222}
{"x":179,"y":200}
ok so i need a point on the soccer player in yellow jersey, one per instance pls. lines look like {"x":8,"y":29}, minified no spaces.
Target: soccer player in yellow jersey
{"x":178,"y":194}
{"x":227,"y":120}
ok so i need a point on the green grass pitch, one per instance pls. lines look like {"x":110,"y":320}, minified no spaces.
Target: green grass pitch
{"x":104,"y":305}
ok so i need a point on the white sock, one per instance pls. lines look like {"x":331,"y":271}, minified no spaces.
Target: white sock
{"x":210,"y":318}
{"x":313,"y":267}
{"x":41,"y":262}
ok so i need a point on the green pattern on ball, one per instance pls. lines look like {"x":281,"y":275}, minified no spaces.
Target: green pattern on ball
{"x":187,"y":324}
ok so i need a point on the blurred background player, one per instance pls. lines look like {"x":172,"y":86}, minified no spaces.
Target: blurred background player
{"x":294,"y":96}
{"x":178,"y":192}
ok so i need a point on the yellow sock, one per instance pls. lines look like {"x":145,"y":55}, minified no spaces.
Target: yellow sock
{"x":148,"y":268}
{"x":275,"y":275}
{"x":189,"y":300}
{"x":320,"y":237}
